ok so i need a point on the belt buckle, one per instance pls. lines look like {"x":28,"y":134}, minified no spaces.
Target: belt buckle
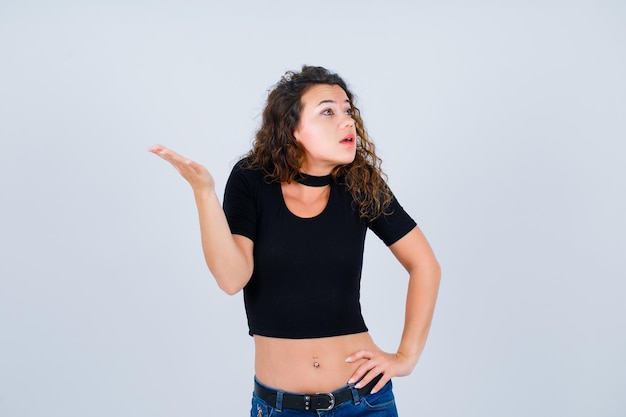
{"x":331,"y":399}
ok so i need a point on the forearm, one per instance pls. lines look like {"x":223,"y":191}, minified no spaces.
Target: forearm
{"x":420,"y":305}
{"x":228,"y":262}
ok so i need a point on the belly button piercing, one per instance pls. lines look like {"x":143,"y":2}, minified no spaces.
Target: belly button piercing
{"x":316,"y":364}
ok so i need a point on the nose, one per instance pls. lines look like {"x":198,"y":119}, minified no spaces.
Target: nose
{"x":348,"y":121}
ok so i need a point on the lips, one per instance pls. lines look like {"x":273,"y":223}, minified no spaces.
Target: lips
{"x":347,"y":139}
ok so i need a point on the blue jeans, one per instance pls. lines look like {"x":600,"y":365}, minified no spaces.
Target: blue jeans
{"x":381,"y":404}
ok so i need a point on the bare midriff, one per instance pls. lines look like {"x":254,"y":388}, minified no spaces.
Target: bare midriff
{"x":308,"y":365}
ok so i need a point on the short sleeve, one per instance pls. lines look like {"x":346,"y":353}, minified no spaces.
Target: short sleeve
{"x":393,"y":225}
{"x":240,"y":202}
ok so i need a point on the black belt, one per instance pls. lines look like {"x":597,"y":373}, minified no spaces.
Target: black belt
{"x":322,"y":401}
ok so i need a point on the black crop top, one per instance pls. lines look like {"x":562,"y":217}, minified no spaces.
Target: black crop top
{"x":307,"y":271}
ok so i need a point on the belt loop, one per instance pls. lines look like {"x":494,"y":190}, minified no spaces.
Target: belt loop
{"x":355,"y":395}
{"x":279,"y":401}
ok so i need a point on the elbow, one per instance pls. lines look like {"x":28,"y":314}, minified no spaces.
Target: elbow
{"x":230,"y":288}
{"x":437,"y":270}
{"x":436,"y":277}
{"x":430,"y":272}
{"x":436,"y":273}
{"x":231,"y":283}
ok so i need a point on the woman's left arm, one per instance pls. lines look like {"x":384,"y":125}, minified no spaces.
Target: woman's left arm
{"x":417,"y":257}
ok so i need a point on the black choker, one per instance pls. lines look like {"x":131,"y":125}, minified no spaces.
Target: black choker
{"x":312,"y":180}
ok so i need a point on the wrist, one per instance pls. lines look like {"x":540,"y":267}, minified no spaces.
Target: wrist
{"x":204,"y":193}
{"x":412,"y":358}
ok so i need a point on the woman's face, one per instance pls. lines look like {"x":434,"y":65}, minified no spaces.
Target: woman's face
{"x":326,"y":129}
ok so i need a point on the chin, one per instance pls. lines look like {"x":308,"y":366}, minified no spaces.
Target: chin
{"x":351,"y":160}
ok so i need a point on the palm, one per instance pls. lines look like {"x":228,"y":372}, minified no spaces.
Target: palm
{"x":196,"y":175}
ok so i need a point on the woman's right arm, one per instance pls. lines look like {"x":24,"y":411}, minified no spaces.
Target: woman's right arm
{"x":228,"y":256}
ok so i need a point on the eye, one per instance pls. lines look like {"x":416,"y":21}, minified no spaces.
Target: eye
{"x":350,"y":112}
{"x":328,"y":112}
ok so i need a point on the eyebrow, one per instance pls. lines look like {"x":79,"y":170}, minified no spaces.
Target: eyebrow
{"x":332,"y":101}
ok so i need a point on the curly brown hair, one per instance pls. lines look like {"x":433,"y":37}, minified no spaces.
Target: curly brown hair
{"x":279,"y":155}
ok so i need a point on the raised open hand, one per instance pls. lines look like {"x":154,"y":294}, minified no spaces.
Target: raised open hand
{"x":196,"y":175}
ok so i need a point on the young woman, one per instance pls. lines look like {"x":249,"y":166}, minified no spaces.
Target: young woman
{"x":291,"y":235}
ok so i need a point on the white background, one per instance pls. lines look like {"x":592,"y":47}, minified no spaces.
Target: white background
{"x":501,"y":126}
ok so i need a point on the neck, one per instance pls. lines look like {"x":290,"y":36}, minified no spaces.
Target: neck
{"x":313,"y":180}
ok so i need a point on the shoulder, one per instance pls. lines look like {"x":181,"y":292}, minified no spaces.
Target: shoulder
{"x":243,"y":165}
{"x":393,"y":224}
{"x":246,"y":178}
{"x":243,"y":169}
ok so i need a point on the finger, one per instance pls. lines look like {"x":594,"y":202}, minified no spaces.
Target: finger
{"x":374,"y":373}
{"x":155,"y":148}
{"x":178,"y":161}
{"x":360,"y":376}
{"x":169,"y":155}
{"x":380,"y":384}
{"x":159,"y":150}
{"x":361,"y":354}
